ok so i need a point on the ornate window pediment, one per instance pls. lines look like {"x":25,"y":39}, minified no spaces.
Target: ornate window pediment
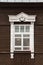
{"x":22,"y":17}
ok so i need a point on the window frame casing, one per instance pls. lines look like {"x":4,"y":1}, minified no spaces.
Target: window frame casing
{"x":25,"y":18}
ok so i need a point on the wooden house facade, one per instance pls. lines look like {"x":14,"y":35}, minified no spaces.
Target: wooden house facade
{"x":21,"y":57}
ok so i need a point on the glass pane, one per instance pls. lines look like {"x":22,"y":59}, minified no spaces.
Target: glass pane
{"x":26,"y":48}
{"x":25,"y":42}
{"x":17,"y":35}
{"x":17,"y":41}
{"x":17,"y":48}
{"x":27,"y":28}
{"x":16,"y":28}
{"x":25,"y":35}
{"x":21,"y":28}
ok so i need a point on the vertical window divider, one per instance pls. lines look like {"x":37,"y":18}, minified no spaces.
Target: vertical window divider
{"x":22,"y":42}
{"x":14,"y":37}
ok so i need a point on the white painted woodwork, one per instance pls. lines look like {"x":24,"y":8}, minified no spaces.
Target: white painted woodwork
{"x":11,"y":39}
{"x":25,"y":18}
{"x":3,"y":0}
{"x":33,"y":0}
{"x":22,"y":17}
{"x":10,"y":0}
{"x":32,"y":39}
{"x":40,"y":1}
{"x":21,"y":0}
{"x":18,"y":1}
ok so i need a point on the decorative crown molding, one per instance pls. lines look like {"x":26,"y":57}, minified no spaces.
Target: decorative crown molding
{"x":22,"y":17}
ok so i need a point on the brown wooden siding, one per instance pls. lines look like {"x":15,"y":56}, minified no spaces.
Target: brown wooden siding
{"x":20,"y":58}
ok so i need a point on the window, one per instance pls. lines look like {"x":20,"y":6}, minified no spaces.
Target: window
{"x":25,"y":42}
{"x":17,"y":41}
{"x":22,"y":35}
{"x":16,"y":28}
{"x":21,"y":28}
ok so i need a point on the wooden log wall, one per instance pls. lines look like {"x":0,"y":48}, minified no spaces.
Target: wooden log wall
{"x":22,"y":58}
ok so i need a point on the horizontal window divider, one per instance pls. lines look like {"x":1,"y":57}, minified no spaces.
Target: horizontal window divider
{"x":17,"y":50}
{"x":22,"y":33}
{"x":26,"y":50}
{"x":21,"y":46}
{"x":23,"y":37}
{"x":26,"y":46}
{"x":21,"y":50}
{"x":17,"y":46}
{"x":22,"y":25}
{"x":17,"y":37}
{"x":27,"y":37}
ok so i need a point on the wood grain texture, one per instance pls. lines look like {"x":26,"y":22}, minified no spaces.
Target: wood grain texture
{"x":4,"y":38}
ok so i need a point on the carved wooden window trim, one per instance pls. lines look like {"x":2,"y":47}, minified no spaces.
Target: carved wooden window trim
{"x":24,"y":18}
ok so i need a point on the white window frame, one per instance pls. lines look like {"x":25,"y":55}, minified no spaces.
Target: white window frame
{"x":25,"y":18}
{"x":22,"y":33}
